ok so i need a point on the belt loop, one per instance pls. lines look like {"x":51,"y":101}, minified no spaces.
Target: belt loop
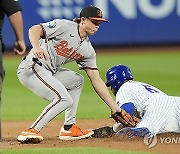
{"x":37,"y":61}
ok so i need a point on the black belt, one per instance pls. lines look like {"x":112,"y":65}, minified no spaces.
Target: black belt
{"x":34,"y":60}
{"x":37,"y":61}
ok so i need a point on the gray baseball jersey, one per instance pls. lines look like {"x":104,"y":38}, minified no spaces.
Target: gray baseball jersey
{"x":63,"y":44}
{"x":62,"y":87}
{"x":160,"y":112}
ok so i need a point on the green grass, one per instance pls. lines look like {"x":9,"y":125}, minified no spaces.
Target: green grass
{"x":79,"y":150}
{"x":159,"y":69}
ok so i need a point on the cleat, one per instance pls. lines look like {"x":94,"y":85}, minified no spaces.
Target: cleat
{"x":30,"y":136}
{"x":74,"y":133}
{"x":103,"y":132}
{"x":131,"y":132}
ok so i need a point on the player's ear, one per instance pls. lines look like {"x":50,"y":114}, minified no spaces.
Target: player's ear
{"x":83,"y":18}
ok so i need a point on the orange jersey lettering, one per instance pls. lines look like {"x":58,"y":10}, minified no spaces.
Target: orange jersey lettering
{"x":63,"y":50}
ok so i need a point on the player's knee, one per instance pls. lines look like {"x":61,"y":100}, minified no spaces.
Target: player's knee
{"x":67,"y":99}
{"x":79,"y":81}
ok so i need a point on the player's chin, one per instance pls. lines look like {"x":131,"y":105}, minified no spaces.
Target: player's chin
{"x":92,"y":32}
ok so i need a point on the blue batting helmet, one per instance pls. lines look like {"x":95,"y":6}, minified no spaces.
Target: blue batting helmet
{"x":116,"y":75}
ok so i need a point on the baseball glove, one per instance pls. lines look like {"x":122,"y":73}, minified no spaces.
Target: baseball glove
{"x":125,"y":118}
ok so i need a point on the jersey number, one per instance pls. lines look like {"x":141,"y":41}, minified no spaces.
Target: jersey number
{"x":150,"y":89}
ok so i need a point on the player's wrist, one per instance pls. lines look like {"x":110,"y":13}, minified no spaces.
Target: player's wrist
{"x":115,"y":109}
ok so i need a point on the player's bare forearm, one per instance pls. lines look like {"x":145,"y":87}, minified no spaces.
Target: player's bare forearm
{"x":101,"y":89}
{"x":35,"y":33}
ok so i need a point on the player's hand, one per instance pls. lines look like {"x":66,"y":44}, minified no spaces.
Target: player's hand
{"x":115,"y":110}
{"x":19,"y":47}
{"x":124,"y":118}
{"x":39,"y":53}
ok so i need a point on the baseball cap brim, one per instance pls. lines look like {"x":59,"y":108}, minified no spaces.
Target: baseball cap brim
{"x":99,"y":19}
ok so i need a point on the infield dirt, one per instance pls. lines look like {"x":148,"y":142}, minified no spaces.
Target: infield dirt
{"x":10,"y":131}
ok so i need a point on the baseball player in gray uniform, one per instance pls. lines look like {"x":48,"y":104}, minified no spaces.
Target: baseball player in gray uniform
{"x":159,"y":113}
{"x":53,"y":44}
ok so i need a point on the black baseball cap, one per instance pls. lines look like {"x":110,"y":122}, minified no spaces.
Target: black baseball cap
{"x":92,"y":12}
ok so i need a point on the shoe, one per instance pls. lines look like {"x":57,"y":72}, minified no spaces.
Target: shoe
{"x":131,"y":132}
{"x":103,"y":132}
{"x":30,"y":136}
{"x":74,"y":133}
